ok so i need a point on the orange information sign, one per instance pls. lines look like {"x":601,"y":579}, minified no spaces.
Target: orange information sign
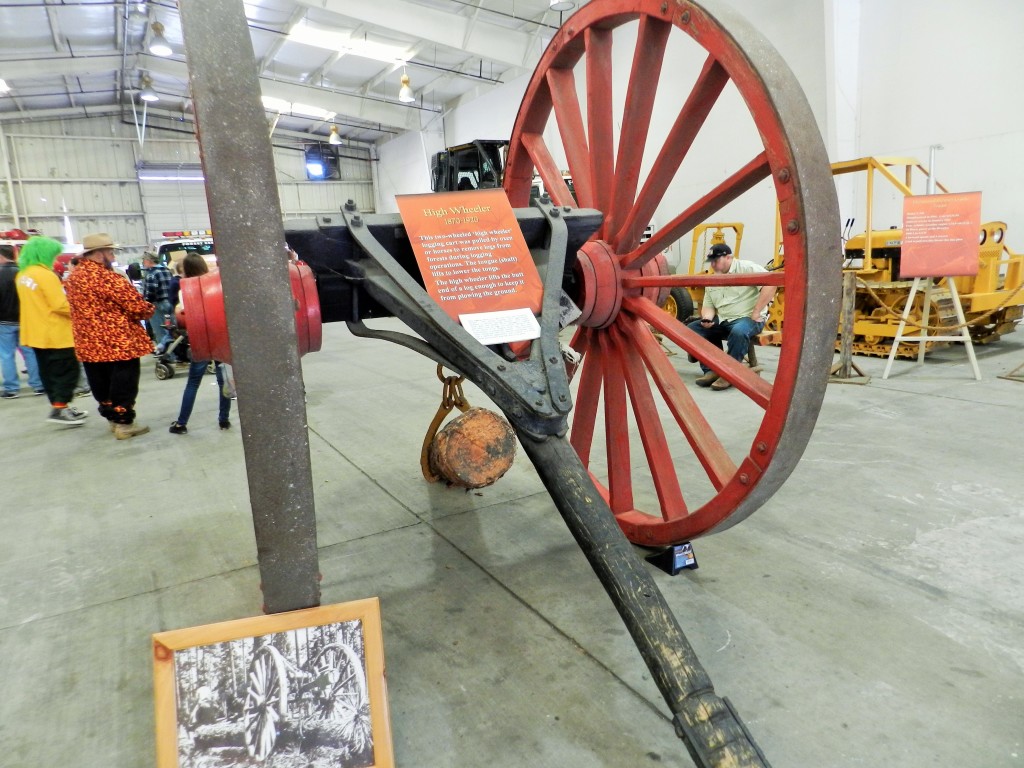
{"x":940,"y":235}
{"x":475,"y":262}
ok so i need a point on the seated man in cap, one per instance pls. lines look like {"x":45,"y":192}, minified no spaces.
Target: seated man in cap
{"x":731,"y":313}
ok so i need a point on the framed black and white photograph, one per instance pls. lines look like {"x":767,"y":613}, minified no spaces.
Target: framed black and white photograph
{"x":299,"y":688}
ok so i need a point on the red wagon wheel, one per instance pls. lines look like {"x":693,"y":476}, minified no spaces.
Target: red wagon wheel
{"x":741,"y":445}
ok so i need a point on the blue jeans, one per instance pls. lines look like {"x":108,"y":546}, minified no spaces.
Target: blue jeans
{"x":163,"y":315}
{"x":736,"y":333}
{"x":9,"y":363}
{"x":188,"y":397}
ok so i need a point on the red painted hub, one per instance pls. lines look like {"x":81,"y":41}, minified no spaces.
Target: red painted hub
{"x":600,"y":281}
{"x":601,"y":291}
{"x":204,"y":318}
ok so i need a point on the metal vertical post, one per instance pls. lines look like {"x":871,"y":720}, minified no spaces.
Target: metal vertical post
{"x":8,"y":179}
{"x":847,"y":316}
{"x":245,"y":211}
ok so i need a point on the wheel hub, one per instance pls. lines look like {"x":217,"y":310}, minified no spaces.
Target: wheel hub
{"x":599,"y":276}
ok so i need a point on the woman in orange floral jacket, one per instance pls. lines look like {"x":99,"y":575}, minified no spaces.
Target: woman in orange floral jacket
{"x":106,"y":315}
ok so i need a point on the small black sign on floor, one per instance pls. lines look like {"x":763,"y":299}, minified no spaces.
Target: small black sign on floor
{"x":674,"y":559}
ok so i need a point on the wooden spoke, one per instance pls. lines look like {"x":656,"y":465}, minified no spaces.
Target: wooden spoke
{"x":688,"y":123}
{"x":750,"y":174}
{"x":648,"y":54}
{"x":574,"y":136}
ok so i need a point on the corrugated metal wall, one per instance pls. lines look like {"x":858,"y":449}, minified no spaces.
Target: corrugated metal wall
{"x":93,"y":176}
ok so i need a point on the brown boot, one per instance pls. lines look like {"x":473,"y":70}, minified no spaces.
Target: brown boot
{"x":124,"y":431}
{"x":707,"y":379}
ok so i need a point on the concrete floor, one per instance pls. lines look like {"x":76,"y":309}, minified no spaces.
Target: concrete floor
{"x":872,"y":613}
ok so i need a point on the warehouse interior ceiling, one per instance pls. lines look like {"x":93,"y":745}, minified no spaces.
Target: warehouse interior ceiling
{"x":321,"y":63}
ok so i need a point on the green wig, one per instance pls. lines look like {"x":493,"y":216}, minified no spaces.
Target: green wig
{"x":39,"y":250}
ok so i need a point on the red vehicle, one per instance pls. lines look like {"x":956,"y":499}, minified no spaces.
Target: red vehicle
{"x":18,"y":237}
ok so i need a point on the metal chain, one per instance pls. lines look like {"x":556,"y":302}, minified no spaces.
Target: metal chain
{"x":452,"y":397}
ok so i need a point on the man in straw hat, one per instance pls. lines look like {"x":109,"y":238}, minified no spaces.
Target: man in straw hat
{"x":106,"y":316}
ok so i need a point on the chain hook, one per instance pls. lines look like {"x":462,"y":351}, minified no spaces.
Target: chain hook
{"x":452,"y":397}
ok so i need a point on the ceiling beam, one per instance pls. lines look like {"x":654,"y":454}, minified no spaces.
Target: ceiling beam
{"x":275,"y":47}
{"x":393,"y":115}
{"x":62,"y":66}
{"x":441,"y":27}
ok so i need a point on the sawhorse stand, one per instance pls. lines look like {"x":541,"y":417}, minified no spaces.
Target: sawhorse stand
{"x":923,"y":338}
{"x":1017,"y":374}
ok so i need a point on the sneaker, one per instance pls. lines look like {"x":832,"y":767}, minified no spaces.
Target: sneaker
{"x":77,"y":413}
{"x":707,"y":379}
{"x":721,"y":384}
{"x":9,"y":395}
{"x":67,"y":417}
{"x":178,"y":429}
{"x":224,"y":424}
{"x":38,"y":391}
{"x":124,"y":431}
{"x":78,"y":392}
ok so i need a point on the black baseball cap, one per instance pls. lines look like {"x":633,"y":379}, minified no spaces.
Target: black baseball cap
{"x":719,"y":249}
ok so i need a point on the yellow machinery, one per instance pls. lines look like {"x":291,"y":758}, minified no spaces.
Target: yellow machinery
{"x":992,"y":300}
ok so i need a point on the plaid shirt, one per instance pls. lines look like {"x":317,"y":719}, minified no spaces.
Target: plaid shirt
{"x":158,"y":284}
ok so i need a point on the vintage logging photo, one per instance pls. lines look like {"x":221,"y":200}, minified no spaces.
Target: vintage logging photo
{"x":281,"y":700}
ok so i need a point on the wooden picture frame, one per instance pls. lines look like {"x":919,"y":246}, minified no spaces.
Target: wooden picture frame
{"x":310,"y":682}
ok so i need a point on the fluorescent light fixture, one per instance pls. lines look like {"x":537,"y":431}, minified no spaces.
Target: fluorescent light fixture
{"x":343,"y":43}
{"x":276,"y":105}
{"x":306,"y":110}
{"x":171,"y":178}
{"x":4,"y":88}
{"x":158,"y":44}
{"x":272,"y":104}
{"x":149,"y":171}
{"x":335,"y":138}
{"x":405,"y":94}
{"x":562,"y":5}
{"x":147,"y":93}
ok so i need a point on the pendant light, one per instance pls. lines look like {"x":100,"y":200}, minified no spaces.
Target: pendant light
{"x":405,"y":94}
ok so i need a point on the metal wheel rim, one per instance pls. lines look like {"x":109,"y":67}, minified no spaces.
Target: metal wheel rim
{"x":794,"y":157}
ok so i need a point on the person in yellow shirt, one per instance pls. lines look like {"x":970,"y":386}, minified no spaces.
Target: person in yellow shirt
{"x":46,"y":327}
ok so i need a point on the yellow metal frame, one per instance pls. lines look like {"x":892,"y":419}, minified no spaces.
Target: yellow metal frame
{"x":1000,"y":270}
{"x":999,"y":284}
{"x":718,"y":236}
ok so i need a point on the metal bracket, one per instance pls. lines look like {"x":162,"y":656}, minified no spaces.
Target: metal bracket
{"x":533,"y":393}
